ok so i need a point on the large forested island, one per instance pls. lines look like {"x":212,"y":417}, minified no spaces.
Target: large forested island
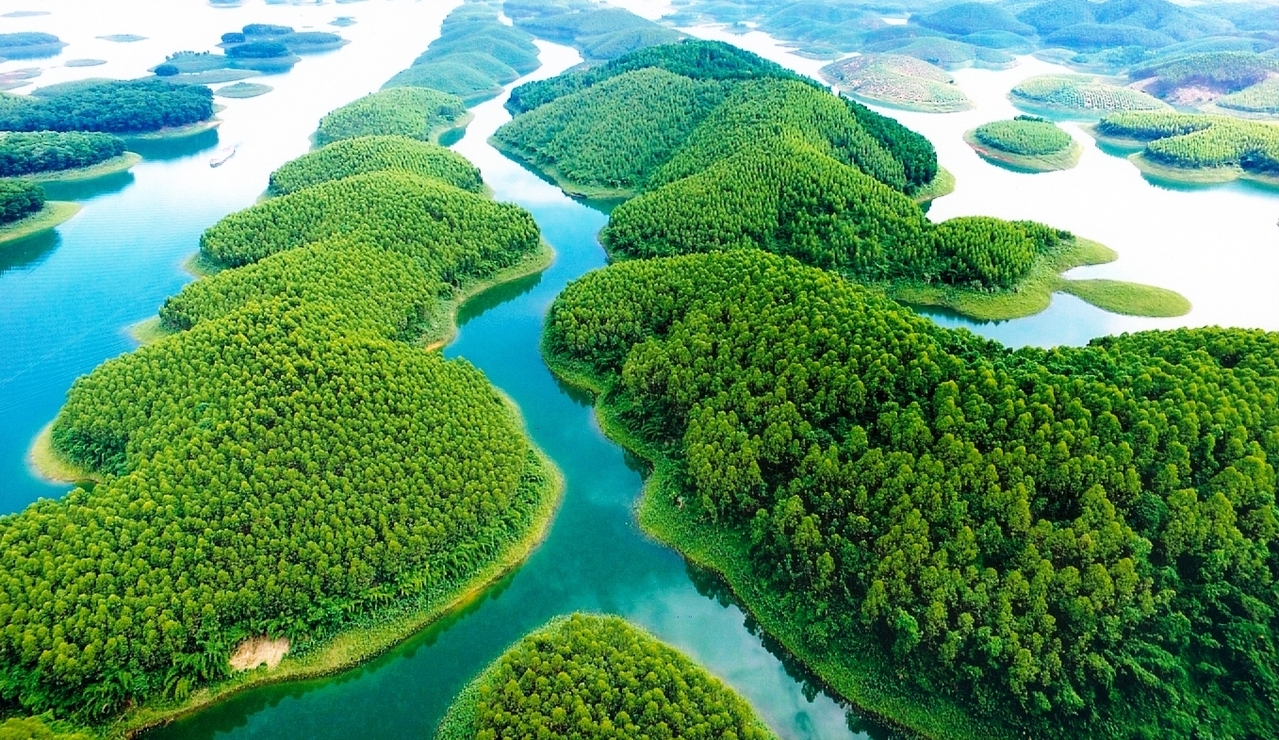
{"x":738,"y":153}
{"x":284,"y":473}
{"x":970,"y":541}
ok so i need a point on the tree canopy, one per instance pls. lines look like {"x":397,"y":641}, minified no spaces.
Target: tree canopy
{"x":598,"y":677}
{"x":127,"y":107}
{"x":1076,"y":541}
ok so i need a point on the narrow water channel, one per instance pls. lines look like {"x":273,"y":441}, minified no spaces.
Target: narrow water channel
{"x":595,"y":558}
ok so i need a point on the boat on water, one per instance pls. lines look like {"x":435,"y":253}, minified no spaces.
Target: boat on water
{"x":221,"y":156}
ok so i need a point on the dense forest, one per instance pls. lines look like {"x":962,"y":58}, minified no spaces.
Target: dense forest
{"x":288,"y":462}
{"x":1074,"y":542}
{"x":702,"y":101}
{"x":128,"y":107}
{"x":366,"y":154}
{"x":1189,"y":140}
{"x":47,"y":151}
{"x":19,"y":199}
{"x":788,"y":197}
{"x":474,"y":56}
{"x":598,"y":677}
{"x":417,"y":113}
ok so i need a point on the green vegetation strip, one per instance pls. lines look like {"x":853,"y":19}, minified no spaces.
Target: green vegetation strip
{"x":51,"y":215}
{"x":115,"y":165}
{"x":597,"y":676}
{"x":952,"y":534}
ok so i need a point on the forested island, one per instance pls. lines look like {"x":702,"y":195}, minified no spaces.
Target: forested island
{"x":899,"y":81}
{"x":597,"y":677}
{"x":968,"y":541}
{"x":475,"y":55}
{"x":124,"y":108}
{"x":1025,"y":144}
{"x":1079,"y":96}
{"x":1195,"y":148}
{"x":63,"y":156}
{"x":737,"y":153}
{"x":283,"y":471}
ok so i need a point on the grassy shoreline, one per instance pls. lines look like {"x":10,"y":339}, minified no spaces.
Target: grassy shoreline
{"x":943,"y":183}
{"x":870,"y":684}
{"x":122,"y":163}
{"x":908,"y":105}
{"x":1034,"y":294}
{"x":54,"y":214}
{"x":1134,"y":150}
{"x":45,"y":462}
{"x":1032,"y":163}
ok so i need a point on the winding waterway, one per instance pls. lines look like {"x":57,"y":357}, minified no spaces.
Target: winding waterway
{"x":66,"y":298}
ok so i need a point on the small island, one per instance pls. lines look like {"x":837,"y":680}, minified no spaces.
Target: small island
{"x":1193,"y":148}
{"x":63,"y":156}
{"x":597,"y":661}
{"x":242,"y":90}
{"x":1079,"y":96}
{"x":898,"y":81}
{"x":30,"y":45}
{"x":1025,"y":144}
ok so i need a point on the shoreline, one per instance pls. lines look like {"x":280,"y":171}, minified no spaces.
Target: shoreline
{"x":942,"y":184}
{"x":1198,"y":175}
{"x":45,"y":462}
{"x":553,"y":176}
{"x":122,"y":163}
{"x":176,"y":132}
{"x":861,"y":686}
{"x":535,"y":263}
{"x":54,"y":214}
{"x":1057,"y":161}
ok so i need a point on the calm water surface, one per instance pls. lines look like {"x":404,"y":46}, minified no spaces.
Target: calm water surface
{"x":66,"y":298}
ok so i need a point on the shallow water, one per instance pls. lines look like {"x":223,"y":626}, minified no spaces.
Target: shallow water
{"x":66,"y":298}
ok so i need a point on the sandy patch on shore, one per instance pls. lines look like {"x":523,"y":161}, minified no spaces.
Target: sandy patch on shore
{"x":255,"y":651}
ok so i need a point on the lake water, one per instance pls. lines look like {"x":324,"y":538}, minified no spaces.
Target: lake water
{"x":66,"y":299}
